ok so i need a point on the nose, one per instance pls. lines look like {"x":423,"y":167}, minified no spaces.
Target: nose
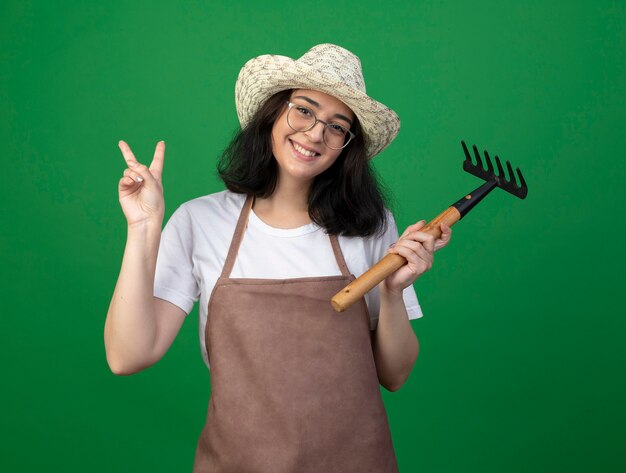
{"x":316,"y":133}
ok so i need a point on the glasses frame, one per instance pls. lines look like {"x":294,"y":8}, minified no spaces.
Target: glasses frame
{"x":290,"y":105}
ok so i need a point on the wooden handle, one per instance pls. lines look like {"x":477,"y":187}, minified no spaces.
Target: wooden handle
{"x":390,"y":263}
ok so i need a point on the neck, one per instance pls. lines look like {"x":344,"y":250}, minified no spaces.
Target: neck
{"x":287,"y":207}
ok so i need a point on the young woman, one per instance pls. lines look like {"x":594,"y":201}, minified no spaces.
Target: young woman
{"x":294,"y":385}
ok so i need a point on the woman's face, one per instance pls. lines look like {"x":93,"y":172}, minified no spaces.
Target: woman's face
{"x":302,"y":155}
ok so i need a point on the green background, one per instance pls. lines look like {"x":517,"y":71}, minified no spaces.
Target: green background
{"x":522,"y":357}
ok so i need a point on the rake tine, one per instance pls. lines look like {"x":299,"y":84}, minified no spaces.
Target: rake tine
{"x":479,"y":162}
{"x":511,"y":174}
{"x":489,"y":165}
{"x":500,"y":170}
{"x":522,"y":182}
{"x":468,"y":158}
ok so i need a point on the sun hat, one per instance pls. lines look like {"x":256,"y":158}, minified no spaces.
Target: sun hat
{"x":328,"y":68}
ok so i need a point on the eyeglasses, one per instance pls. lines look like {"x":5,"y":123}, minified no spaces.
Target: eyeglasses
{"x":301,"y":118}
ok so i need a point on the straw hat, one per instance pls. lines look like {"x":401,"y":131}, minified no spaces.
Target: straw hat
{"x":328,"y":68}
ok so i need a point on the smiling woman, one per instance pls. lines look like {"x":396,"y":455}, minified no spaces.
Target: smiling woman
{"x":294,"y":385}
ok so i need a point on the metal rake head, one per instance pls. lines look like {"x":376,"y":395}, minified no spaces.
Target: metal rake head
{"x":510,"y":185}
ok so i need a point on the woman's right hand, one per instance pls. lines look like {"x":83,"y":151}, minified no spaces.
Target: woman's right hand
{"x":141,"y":188}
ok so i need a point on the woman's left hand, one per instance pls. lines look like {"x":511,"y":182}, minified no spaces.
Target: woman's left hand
{"x":418,"y":248}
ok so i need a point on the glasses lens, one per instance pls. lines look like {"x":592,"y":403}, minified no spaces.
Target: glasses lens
{"x":300,"y":118}
{"x":335,"y":136}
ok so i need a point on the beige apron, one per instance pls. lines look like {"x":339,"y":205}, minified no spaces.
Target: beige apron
{"x":293,"y":383}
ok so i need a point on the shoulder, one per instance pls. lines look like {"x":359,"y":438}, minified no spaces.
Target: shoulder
{"x":203,"y":225}
{"x":214,"y":208}
{"x":206,"y":216}
{"x":219,"y":203}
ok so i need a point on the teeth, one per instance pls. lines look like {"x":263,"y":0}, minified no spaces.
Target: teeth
{"x":303,"y":151}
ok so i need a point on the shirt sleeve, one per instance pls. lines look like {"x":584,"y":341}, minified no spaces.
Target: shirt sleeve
{"x":174,"y":279}
{"x":379,"y":247}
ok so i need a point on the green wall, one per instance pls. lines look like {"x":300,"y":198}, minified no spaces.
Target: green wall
{"x":522,"y":344}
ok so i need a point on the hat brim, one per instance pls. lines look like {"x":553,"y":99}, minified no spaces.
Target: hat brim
{"x":266,"y":75}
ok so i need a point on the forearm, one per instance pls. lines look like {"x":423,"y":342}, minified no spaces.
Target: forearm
{"x":394,"y":342}
{"x":130,"y":327}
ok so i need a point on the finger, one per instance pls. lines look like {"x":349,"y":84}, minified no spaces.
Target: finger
{"x":425,"y":238}
{"x":416,"y":248}
{"x":127,"y":184}
{"x":140,"y":169}
{"x":148,"y":179}
{"x":156,"y":166}
{"x":413,"y":228}
{"x":133,"y":175}
{"x":129,"y":157}
{"x":425,"y":255}
{"x":415,"y":253}
{"x":444,"y":239}
{"x":446,"y":233}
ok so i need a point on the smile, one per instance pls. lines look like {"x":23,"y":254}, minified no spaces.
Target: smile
{"x":302,"y":151}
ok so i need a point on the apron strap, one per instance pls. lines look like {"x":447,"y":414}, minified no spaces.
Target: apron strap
{"x":242,"y":223}
{"x":341,"y":262}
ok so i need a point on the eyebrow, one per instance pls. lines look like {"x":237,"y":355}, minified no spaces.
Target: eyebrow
{"x":315,"y":104}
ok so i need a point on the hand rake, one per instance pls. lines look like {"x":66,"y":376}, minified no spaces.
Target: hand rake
{"x":392,"y":262}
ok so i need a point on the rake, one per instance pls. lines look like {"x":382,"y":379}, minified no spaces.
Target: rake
{"x":392,"y":262}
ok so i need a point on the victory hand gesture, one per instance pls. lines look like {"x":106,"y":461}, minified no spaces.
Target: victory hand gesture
{"x":141,"y":188}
